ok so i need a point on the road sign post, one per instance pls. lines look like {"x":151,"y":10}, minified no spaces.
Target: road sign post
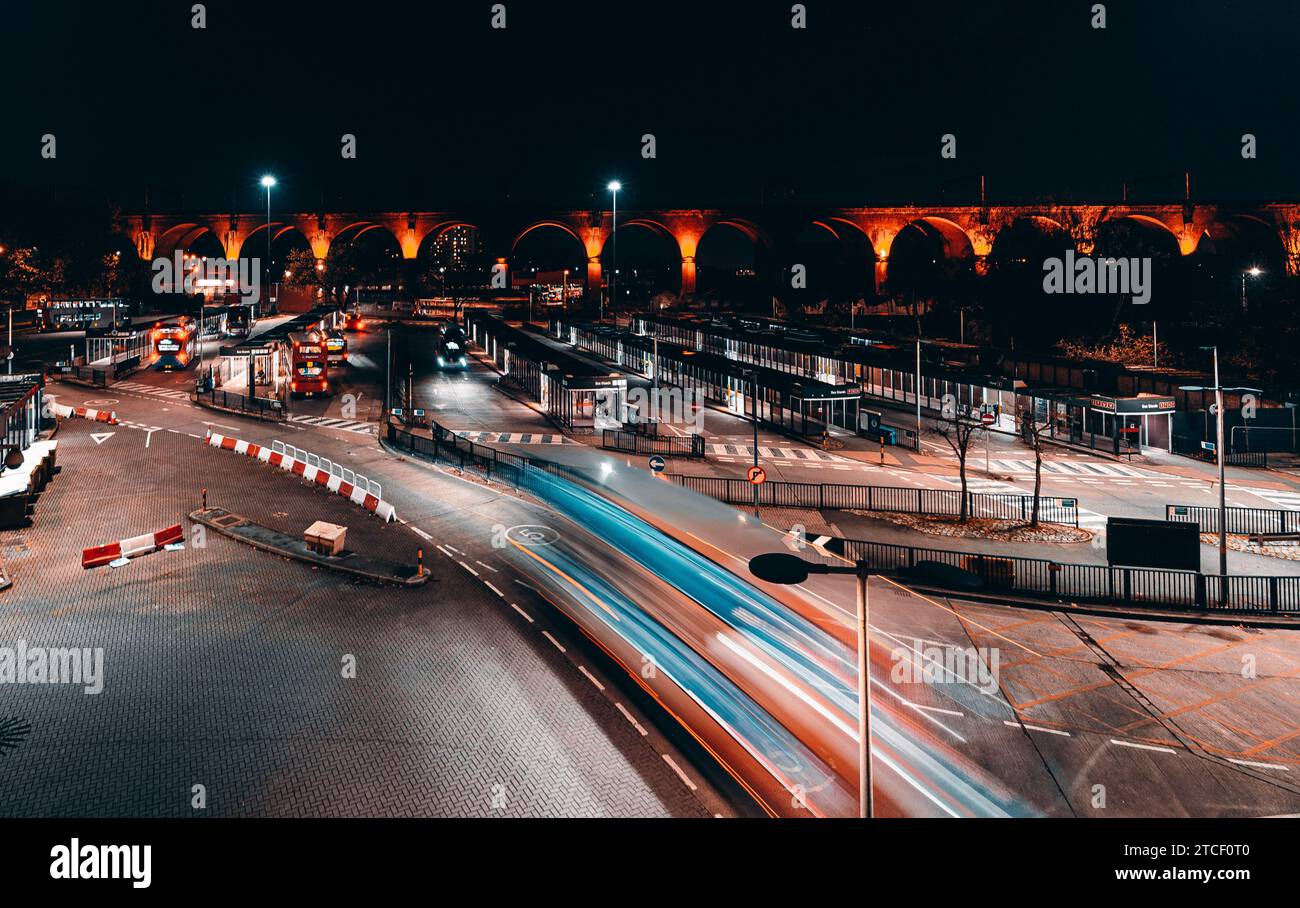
{"x":657,"y":463}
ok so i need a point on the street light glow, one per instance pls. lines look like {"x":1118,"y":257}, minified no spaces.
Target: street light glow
{"x":268,"y":181}
{"x":614,"y":186}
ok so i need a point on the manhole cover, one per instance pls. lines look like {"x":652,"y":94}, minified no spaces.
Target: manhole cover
{"x":12,"y":733}
{"x":227,"y":521}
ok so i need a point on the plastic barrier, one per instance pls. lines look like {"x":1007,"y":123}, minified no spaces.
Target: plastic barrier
{"x":99,"y":555}
{"x":62,"y":412}
{"x":358,"y":489}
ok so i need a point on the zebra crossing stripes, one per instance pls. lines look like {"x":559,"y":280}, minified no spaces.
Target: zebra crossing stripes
{"x":344,"y":425}
{"x":515,"y":438}
{"x":794,"y":454}
{"x":141,"y":388}
{"x":1289,"y":501}
{"x":1085,"y":468}
{"x":1088,"y":520}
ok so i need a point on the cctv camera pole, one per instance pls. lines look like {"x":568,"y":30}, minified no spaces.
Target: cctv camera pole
{"x":864,"y":695}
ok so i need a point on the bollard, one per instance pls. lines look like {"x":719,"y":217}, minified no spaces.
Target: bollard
{"x":882,"y":450}
{"x":419,"y":562}
{"x":205,"y":499}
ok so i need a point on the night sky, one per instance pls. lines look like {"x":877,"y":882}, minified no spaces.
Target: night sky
{"x":743,"y":107}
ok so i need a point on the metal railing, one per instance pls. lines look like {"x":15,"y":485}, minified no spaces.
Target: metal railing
{"x":1039,"y":578}
{"x":1191,"y":447}
{"x":898,"y":499}
{"x":334,"y":469}
{"x":264,"y":407}
{"x":667,"y":445}
{"x":1243,"y":521}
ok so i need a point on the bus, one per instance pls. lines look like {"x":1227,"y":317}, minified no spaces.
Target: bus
{"x":171,"y":346}
{"x":239,"y":320}
{"x":452,"y":351}
{"x":308,"y":365}
{"x":336,"y":348}
{"x":102,"y":316}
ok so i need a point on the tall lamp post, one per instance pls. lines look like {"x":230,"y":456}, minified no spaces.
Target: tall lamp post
{"x":1253,"y":271}
{"x":778,"y":567}
{"x":268,"y":181}
{"x":613,"y":186}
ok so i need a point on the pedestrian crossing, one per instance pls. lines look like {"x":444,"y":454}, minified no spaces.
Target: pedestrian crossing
{"x":1082,"y":468}
{"x":515,"y":438}
{"x":792,"y":454}
{"x":1288,"y":501}
{"x":344,"y":425}
{"x":1088,"y":520}
{"x":153,"y":390}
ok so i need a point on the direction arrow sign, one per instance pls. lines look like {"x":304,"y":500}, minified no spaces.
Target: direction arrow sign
{"x":101,"y":437}
{"x":657,"y":463}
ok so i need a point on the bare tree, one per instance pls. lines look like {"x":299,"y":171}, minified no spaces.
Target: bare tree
{"x":958,"y":430}
{"x":1033,"y":431}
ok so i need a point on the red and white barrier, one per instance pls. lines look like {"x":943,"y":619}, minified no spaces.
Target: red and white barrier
{"x":62,"y":412}
{"x":99,"y":555}
{"x":348,"y":490}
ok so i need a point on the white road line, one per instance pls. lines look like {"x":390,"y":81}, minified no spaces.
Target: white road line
{"x":627,"y":715}
{"x":1168,"y":750}
{"x":1050,"y":731}
{"x":488,"y":566}
{"x":489,"y":585}
{"x":681,"y":775}
{"x":590,"y":677}
{"x":1260,"y":765}
{"x":522,"y":612}
{"x":422,"y":534}
{"x":468,"y":568}
{"x":558,"y":644}
{"x":444,"y":550}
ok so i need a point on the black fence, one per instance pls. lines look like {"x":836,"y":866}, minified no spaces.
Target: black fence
{"x":1239,"y":520}
{"x":667,"y":445}
{"x":1191,"y":447}
{"x":263,"y":407}
{"x":1090,"y":583}
{"x":839,"y":497}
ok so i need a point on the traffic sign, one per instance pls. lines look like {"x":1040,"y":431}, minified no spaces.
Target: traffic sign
{"x":1068,"y":502}
{"x":657,"y":463}
{"x":1208,"y":446}
{"x":757,"y":475}
{"x":988,"y":418}
{"x":398,"y":411}
{"x":417,"y":412}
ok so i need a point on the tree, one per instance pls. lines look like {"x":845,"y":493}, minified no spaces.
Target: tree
{"x":1032,"y":430}
{"x":958,"y":430}
{"x":1126,"y":347}
{"x":300,"y":269}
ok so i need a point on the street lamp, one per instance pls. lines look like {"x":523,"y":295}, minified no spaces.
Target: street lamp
{"x":613,"y":186}
{"x":1253,"y":271}
{"x":778,"y":567}
{"x":268,"y":181}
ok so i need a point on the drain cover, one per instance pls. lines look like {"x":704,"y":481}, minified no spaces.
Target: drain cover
{"x":229,"y":520}
{"x":12,"y":733}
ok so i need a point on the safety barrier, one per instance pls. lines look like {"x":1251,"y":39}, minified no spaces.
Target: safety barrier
{"x":898,"y":499}
{"x":62,"y":412}
{"x":356,"y":488}
{"x":99,"y":555}
{"x":666,"y":445}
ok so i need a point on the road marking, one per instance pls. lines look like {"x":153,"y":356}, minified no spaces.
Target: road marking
{"x":488,"y":566}
{"x":681,"y":775}
{"x":522,"y":612}
{"x":422,"y":534}
{"x":1260,"y":765}
{"x":1168,"y":750}
{"x":590,"y":677}
{"x":489,"y":585}
{"x":627,"y":715}
{"x":468,"y":568}
{"x":1026,"y":725}
{"x":558,"y":645}
{"x":443,"y":549}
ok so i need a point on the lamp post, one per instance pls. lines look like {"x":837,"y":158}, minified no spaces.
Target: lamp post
{"x":268,"y":181}
{"x":613,"y":186}
{"x":1253,"y":271}
{"x":778,"y":567}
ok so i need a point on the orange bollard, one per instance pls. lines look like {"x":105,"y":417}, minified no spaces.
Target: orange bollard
{"x":419,"y":562}
{"x":205,"y":499}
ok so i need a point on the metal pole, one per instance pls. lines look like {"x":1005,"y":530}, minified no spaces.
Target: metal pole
{"x":864,"y":696}
{"x":613,"y":278}
{"x":10,"y":353}
{"x":918,"y":385}
{"x":268,"y":238}
{"x":755,"y":414}
{"x":1223,"y":504}
{"x":655,"y":366}
{"x":388,"y":374}
{"x":1155,"y":345}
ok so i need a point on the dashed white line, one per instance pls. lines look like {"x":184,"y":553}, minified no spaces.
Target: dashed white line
{"x":557,"y":643}
{"x":1050,"y":731}
{"x":590,"y":676}
{"x":489,"y":585}
{"x":488,"y":566}
{"x":445,"y":551}
{"x":522,"y":612}
{"x":627,"y":715}
{"x":1168,"y":750}
{"x":468,"y":568}
{"x":422,"y":534}
{"x":1260,"y":765}
{"x":681,"y":775}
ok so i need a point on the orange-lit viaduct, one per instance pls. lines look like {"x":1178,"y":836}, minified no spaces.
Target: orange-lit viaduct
{"x":963,"y":233}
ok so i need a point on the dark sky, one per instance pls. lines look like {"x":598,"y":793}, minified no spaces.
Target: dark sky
{"x":447,"y":110}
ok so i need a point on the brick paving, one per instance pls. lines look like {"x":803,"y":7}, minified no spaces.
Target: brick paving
{"x":222,"y":668}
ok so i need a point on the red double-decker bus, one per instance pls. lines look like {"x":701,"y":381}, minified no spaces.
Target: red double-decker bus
{"x":308,"y":365}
